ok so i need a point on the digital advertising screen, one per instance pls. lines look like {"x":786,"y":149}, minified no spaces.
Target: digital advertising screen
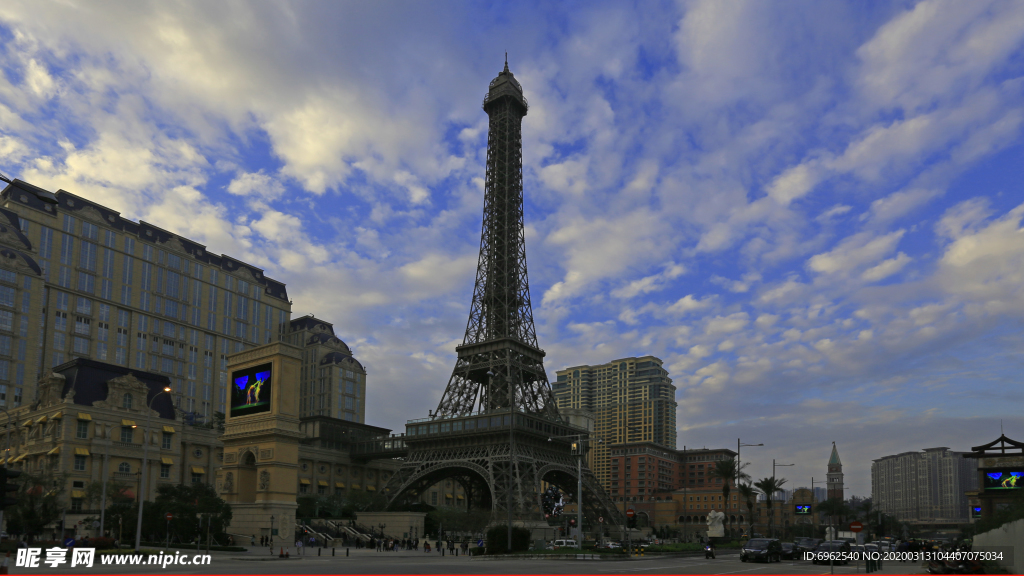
{"x":1003,"y":479}
{"x":250,"y":390}
{"x":803,"y":509}
{"x":975,"y":511}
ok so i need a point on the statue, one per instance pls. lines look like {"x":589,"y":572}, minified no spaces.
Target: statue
{"x":715,"y":527}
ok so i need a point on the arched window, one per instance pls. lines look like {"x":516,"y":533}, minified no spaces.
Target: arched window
{"x":126,"y":403}
{"x":124,"y":467}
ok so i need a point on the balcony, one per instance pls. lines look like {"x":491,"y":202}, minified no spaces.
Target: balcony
{"x":133,"y":476}
{"x":127,"y":445}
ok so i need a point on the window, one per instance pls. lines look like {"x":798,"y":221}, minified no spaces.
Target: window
{"x":81,"y":346}
{"x":166,"y":443}
{"x":165,"y":470}
{"x":76,"y":504}
{"x":7,"y":296}
{"x":303,"y":488}
{"x":126,"y":402}
{"x":124,"y":468}
{"x":127,"y":434}
{"x":82,"y":431}
{"x":80,"y":463}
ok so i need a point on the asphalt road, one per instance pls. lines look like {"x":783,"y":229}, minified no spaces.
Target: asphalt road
{"x":372,"y":562}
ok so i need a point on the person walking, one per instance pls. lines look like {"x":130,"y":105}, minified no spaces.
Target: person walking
{"x":252,"y":541}
{"x":298,"y":547}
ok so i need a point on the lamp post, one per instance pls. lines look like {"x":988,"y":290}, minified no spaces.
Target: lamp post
{"x":737,"y":480}
{"x":271,"y":537}
{"x":145,"y":453}
{"x":773,"y":479}
{"x":578,"y":446}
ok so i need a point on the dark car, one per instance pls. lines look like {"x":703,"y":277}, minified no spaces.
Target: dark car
{"x":806,"y":544}
{"x":835,"y":547}
{"x":767,"y":549}
{"x":789,"y":551}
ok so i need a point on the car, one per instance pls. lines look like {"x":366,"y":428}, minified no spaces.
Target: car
{"x":806,"y":544}
{"x":831,"y":546}
{"x":872,"y":548}
{"x":565,"y":543}
{"x":767,"y":549}
{"x":789,"y":551}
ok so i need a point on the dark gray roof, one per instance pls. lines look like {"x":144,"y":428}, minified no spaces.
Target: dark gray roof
{"x":339,"y":358}
{"x":89,"y":379}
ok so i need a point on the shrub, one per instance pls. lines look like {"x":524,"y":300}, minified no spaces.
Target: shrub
{"x":497,"y":540}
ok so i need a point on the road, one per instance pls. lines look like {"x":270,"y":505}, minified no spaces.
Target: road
{"x":363,"y":561}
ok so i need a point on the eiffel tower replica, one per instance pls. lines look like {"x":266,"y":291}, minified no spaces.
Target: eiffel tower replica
{"x":497,"y":430}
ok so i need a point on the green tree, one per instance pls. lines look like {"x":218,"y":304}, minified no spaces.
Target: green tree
{"x":769,"y":486}
{"x":185,"y":503}
{"x":727,"y":471}
{"x":748,"y":494}
{"x":40,"y":503}
{"x":836,"y":509}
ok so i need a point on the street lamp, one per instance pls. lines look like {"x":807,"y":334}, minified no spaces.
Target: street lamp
{"x":738,"y":444}
{"x":270,"y":538}
{"x":578,"y":447}
{"x":773,"y":479}
{"x":145,"y":452}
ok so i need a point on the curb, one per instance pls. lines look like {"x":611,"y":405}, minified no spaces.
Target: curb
{"x":605,"y":557}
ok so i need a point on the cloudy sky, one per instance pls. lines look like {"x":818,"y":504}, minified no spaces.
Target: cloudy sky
{"x":812,"y":212}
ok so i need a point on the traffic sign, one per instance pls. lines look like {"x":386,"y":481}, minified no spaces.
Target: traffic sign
{"x":168,"y":516}
{"x":600,"y":519}
{"x":630,"y":512}
{"x":69,"y":542}
{"x":856,"y":526}
{"x":80,"y":522}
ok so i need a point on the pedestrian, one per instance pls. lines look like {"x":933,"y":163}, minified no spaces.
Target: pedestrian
{"x":298,"y":546}
{"x":465,"y":547}
{"x":252,"y":541}
{"x":6,"y":562}
{"x":312,"y":541}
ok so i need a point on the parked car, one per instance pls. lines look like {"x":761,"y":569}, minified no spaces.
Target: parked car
{"x":831,"y":546}
{"x":789,"y":551}
{"x":565,"y":543}
{"x":806,"y":544}
{"x":767,"y":549}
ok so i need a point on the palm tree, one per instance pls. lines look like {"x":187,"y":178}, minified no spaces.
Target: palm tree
{"x":748,"y":494}
{"x":769,"y":486}
{"x":727,"y":471}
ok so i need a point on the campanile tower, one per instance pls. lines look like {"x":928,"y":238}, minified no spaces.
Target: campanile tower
{"x":834,"y":484}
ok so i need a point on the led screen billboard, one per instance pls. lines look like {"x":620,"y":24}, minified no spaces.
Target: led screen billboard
{"x":803,"y":509}
{"x":251,"y":390}
{"x":975,"y":511}
{"x":1003,"y":479}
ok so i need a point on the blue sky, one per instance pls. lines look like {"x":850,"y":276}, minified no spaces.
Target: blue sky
{"x":810,"y":211}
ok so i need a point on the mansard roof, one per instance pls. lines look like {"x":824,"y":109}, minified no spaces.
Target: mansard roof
{"x":89,"y":378}
{"x":312,"y":323}
{"x":340,"y":358}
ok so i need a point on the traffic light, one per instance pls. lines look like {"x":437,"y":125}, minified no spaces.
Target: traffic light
{"x":577,"y":447}
{"x":6,"y":487}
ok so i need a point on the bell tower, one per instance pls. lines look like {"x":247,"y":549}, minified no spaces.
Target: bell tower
{"x":834,"y":483}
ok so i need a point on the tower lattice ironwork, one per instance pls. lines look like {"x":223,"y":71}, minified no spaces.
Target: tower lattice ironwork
{"x":497,"y":430}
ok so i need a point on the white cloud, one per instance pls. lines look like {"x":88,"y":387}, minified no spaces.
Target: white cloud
{"x":855,"y":252}
{"x":689,"y":304}
{"x":256,"y":184}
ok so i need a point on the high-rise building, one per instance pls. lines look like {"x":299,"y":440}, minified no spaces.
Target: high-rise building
{"x":333,"y":383}
{"x":834,"y":478}
{"x":633,"y":401}
{"x":925,"y":485}
{"x":79,"y":281}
